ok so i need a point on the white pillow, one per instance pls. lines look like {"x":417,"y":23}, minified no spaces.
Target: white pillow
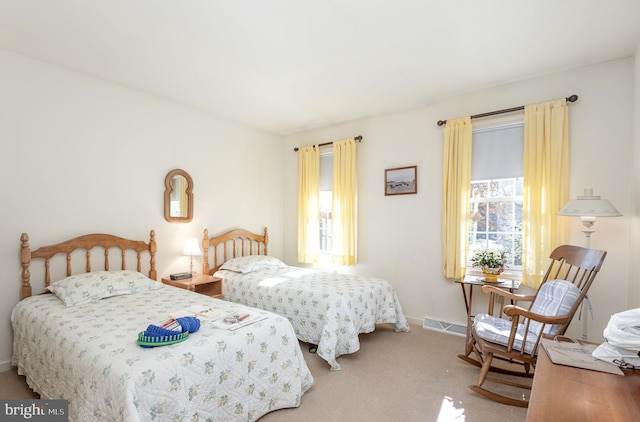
{"x":91,"y":287}
{"x":246,"y":264}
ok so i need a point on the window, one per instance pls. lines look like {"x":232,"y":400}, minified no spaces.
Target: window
{"x":496,"y":191}
{"x":496,"y":217}
{"x":325,"y":223}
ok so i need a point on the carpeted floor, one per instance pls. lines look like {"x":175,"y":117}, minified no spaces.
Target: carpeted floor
{"x":408,"y":377}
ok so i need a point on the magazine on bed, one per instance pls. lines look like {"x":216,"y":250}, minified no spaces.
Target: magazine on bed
{"x":201,"y":312}
{"x":219,"y":318}
{"x":234,"y":320}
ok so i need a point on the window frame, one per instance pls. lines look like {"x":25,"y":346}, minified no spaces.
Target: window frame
{"x":515,"y":234}
{"x":516,"y":200}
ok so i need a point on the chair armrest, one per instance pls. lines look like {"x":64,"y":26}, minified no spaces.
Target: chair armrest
{"x":505,"y":293}
{"x":511,"y":310}
{"x":516,"y":312}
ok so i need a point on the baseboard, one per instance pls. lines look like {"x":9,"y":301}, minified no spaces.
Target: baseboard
{"x":443,"y":326}
{"x":5,"y":366}
{"x":413,"y":321}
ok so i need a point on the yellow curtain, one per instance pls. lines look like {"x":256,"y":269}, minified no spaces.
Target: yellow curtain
{"x":344,"y":201}
{"x":546,"y":185}
{"x":455,"y":203}
{"x":308,"y":204}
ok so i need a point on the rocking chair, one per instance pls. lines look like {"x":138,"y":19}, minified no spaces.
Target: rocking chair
{"x":516,"y":340}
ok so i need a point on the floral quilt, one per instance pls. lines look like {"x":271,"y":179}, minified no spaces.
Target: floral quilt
{"x":88,"y":354}
{"x":326,"y":309}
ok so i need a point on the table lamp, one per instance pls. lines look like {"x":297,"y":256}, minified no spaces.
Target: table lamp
{"x":588,"y":207}
{"x":191,"y":248}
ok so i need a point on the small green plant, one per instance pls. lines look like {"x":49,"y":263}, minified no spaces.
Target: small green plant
{"x":496,"y":260}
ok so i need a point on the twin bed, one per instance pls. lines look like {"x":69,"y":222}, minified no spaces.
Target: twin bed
{"x":79,"y":343}
{"x":328,"y":310}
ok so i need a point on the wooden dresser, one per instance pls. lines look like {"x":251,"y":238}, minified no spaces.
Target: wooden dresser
{"x":565,"y":393}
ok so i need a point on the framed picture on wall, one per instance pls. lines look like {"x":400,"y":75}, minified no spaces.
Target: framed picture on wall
{"x":401,"y":181}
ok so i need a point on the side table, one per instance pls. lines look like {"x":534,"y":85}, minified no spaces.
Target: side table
{"x":200,"y":283}
{"x":472,"y":281}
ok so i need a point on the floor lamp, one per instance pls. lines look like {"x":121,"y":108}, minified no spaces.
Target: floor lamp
{"x":588,"y":207}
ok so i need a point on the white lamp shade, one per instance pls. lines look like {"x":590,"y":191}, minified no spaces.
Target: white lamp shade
{"x":589,"y":205}
{"x":192,"y":247}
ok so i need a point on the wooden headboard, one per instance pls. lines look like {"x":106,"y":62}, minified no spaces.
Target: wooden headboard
{"x":230,"y":245}
{"x":87,"y":243}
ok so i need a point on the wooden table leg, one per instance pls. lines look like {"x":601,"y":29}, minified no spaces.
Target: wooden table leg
{"x":467,"y":304}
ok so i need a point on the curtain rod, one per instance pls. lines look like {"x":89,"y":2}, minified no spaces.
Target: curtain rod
{"x":573,"y":98}
{"x":355,"y":138}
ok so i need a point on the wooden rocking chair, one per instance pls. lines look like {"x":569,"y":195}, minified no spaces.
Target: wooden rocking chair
{"x":516,"y":340}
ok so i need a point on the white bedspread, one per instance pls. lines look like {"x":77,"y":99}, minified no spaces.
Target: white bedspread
{"x":88,"y":355}
{"x":326,"y":309}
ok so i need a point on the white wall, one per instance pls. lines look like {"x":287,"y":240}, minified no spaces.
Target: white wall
{"x":80,"y":155}
{"x":399,"y":237}
{"x":634,"y":209}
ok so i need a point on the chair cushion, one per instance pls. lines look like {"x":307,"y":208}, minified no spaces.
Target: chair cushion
{"x":555,"y":297}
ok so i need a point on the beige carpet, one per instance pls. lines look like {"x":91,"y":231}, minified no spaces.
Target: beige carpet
{"x":403,"y":377}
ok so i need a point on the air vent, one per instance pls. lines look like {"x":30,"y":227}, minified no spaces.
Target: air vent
{"x":443,"y":326}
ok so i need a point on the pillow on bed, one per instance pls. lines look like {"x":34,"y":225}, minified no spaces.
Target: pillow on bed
{"x":246,"y":264}
{"x":90,"y":287}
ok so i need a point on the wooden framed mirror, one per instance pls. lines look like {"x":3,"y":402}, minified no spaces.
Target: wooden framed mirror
{"x":178,"y":197}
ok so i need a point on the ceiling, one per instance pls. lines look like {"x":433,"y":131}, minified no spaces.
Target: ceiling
{"x":289,"y":65}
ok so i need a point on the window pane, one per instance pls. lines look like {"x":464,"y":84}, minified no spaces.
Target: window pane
{"x":496,"y":217}
{"x":325,"y":221}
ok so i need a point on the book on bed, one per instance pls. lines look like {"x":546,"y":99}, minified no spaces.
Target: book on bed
{"x":235,"y":320}
{"x":201,"y":312}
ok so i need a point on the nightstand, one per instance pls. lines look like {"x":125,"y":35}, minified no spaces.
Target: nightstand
{"x":200,"y":283}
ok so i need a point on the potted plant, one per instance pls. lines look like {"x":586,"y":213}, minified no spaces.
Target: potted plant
{"x":491,"y":262}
